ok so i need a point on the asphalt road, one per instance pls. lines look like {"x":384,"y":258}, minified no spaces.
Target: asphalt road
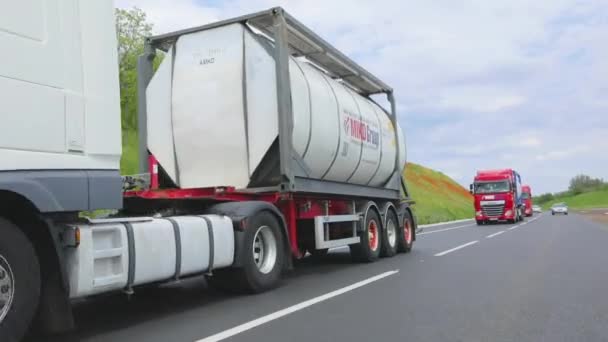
{"x":544,"y":280}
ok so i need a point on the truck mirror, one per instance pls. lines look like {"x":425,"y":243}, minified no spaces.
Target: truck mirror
{"x":471,"y":188}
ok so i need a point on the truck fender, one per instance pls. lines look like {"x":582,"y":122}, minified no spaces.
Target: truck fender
{"x":54,"y":309}
{"x":238,"y":213}
{"x":403,"y":207}
{"x":363,"y":208}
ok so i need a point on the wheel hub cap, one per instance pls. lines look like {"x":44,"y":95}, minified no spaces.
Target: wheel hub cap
{"x":372,"y":231}
{"x":7,"y":288}
{"x":391,"y":232}
{"x":407,"y":232}
{"x":264,"y":249}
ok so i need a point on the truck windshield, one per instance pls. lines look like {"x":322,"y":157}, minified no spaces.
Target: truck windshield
{"x":491,"y":187}
{"x":525,"y":195}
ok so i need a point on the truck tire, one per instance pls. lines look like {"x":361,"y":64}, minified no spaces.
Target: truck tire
{"x":19,"y":282}
{"x":405,"y":239}
{"x":390,"y":235}
{"x":368,"y":249}
{"x":264,"y":258}
{"x":479,"y":222}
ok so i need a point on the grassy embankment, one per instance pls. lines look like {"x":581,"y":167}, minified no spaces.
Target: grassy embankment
{"x":438,"y":197}
{"x":587,"y":200}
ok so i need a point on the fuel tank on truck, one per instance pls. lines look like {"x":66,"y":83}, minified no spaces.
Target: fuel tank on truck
{"x":212,"y":116}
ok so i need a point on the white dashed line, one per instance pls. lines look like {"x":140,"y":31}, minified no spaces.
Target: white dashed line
{"x":495,"y":234}
{"x":457,"y":248}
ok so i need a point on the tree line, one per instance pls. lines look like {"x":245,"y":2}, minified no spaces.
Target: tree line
{"x":578,"y":184}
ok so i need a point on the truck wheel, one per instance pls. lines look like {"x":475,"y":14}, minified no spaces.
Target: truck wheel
{"x":368,"y":249}
{"x":479,"y":222}
{"x":390,"y":235}
{"x":264,"y":258}
{"x":19,"y":282}
{"x":406,"y":234}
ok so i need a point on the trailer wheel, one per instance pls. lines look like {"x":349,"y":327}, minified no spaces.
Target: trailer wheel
{"x":406,"y":234}
{"x":263,"y":262}
{"x":19,"y":282}
{"x":390,"y":235}
{"x":368,"y":249}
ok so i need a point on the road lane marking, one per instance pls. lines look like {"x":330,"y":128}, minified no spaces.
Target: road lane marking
{"x":443,"y":223}
{"x":495,"y":234}
{"x":511,"y":228}
{"x":284,"y":312}
{"x":457,"y":248}
{"x":445,"y":229}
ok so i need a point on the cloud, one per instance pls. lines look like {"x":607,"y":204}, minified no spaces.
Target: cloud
{"x":530,"y":142}
{"x":479,"y":99}
{"x":479,"y":84}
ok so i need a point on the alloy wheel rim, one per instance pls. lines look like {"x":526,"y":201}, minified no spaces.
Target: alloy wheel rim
{"x":7,"y":288}
{"x":264,"y":249}
{"x":372,"y":235}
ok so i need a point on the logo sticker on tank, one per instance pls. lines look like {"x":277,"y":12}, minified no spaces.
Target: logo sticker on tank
{"x":361,"y":131}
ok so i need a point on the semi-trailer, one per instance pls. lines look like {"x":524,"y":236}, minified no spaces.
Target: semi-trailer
{"x":259,"y":143}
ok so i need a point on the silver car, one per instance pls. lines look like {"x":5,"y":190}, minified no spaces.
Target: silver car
{"x":559,"y":208}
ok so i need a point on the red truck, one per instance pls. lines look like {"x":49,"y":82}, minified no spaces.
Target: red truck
{"x":497,"y":196}
{"x":526,"y":195}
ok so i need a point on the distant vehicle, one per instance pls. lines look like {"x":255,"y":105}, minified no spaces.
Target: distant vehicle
{"x":537,"y":209}
{"x":559,"y":208}
{"x":526,"y":196}
{"x":497,"y":196}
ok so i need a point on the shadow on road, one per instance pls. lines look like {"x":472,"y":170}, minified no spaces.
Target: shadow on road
{"x":117,"y":311}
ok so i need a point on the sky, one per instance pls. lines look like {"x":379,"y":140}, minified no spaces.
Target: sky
{"x":479,"y":84}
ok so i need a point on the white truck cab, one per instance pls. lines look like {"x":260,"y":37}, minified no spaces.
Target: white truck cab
{"x":60,"y":104}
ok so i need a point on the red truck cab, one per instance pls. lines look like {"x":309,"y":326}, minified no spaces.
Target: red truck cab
{"x":526,"y":195}
{"x":497,"y":196}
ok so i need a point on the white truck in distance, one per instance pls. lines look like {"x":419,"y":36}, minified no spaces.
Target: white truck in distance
{"x":259,"y":144}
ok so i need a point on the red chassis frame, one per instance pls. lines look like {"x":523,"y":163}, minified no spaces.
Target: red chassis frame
{"x":293,"y":206}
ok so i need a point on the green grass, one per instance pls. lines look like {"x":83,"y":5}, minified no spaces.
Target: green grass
{"x":438,"y":197}
{"x":587,"y":200}
{"x":129,"y":160}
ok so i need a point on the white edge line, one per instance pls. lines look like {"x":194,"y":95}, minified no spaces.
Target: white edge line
{"x":289,"y":310}
{"x":443,"y":223}
{"x":457,"y":248}
{"x":511,"y":228}
{"x":445,"y":229}
{"x":495,"y":234}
